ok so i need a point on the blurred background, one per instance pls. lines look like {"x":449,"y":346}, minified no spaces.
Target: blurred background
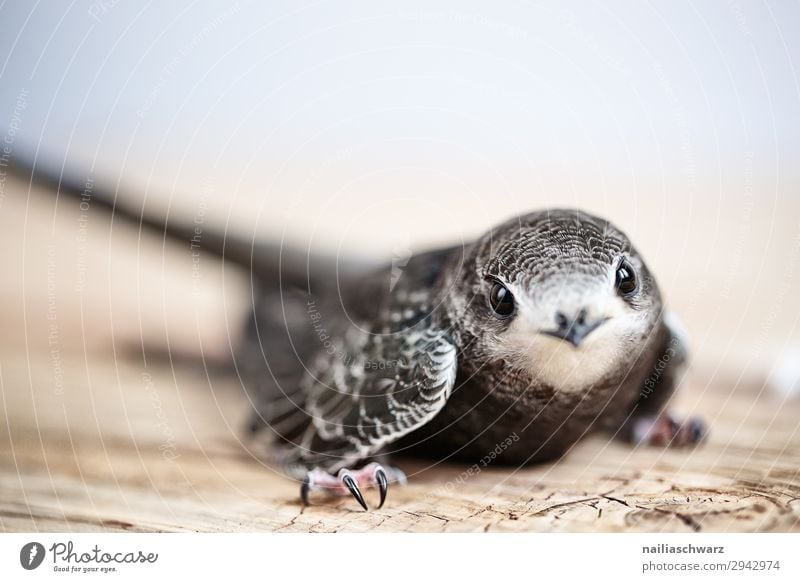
{"x":382,"y":128}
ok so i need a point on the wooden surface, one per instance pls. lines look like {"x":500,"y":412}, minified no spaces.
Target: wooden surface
{"x":154,"y":450}
{"x":92,"y":439}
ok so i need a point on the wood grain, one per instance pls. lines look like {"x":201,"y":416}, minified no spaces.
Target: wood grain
{"x":160,"y":450}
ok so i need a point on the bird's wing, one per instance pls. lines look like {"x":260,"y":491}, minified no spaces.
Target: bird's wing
{"x":373,"y":390}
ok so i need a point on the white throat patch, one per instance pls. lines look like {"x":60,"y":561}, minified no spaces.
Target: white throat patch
{"x":559,"y":363}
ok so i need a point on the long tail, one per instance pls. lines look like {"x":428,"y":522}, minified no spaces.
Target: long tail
{"x":267,"y":262}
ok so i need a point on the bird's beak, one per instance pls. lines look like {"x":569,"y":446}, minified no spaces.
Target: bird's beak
{"x":576,"y":331}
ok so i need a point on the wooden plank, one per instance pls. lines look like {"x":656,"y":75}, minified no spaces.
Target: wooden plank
{"x":123,"y":454}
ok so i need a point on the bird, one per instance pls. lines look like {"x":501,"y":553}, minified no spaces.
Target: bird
{"x":545,"y":328}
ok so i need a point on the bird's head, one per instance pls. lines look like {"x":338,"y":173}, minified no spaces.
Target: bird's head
{"x":561,"y":293}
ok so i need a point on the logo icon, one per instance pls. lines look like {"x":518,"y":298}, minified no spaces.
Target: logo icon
{"x":31,"y":555}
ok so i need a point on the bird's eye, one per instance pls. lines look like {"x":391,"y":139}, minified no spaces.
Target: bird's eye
{"x":626,"y":279}
{"x":501,"y":300}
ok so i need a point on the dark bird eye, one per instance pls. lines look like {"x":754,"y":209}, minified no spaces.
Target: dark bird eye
{"x":501,"y":300}
{"x":626,"y":279}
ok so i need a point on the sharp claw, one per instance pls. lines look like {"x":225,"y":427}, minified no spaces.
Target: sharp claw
{"x":383,"y":484}
{"x":304,"y":488}
{"x":674,"y":429}
{"x":697,"y":430}
{"x":351,"y":485}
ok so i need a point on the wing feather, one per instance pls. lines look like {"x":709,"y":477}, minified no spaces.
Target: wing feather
{"x":391,"y":387}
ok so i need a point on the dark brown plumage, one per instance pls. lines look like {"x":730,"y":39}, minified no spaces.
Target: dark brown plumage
{"x":363,"y":390}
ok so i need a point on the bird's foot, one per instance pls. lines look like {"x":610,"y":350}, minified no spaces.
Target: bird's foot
{"x":664,"y":430}
{"x":351,"y":482}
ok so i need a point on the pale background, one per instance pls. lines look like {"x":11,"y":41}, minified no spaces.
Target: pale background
{"x":372,"y":127}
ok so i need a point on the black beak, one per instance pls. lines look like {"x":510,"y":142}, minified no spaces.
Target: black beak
{"x":574,"y":330}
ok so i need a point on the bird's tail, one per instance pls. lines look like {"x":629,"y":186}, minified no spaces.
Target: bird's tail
{"x":268,"y":262}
